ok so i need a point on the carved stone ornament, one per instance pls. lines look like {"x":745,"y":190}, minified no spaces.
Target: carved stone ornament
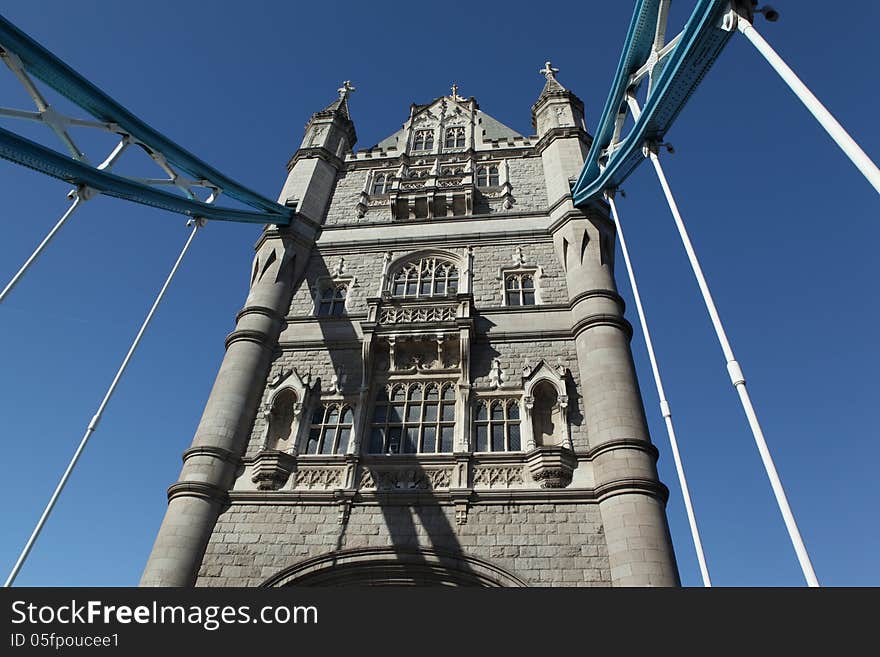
{"x":497,"y":377}
{"x":406,"y":479}
{"x":271,"y":469}
{"x":551,"y":467}
{"x":498,"y":476}
{"x":317,"y":478}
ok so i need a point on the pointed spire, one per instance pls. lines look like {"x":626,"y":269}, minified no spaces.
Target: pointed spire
{"x":340,"y":105}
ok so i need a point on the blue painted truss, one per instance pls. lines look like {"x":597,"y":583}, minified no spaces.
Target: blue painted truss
{"x":45,"y":66}
{"x":674,"y":79}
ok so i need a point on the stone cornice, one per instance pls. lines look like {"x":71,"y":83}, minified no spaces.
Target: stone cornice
{"x":214,"y":452}
{"x":271,"y":313}
{"x":316,"y":153}
{"x":564,"y":132}
{"x":448,"y":497}
{"x":602,"y":319}
{"x":247,"y":335}
{"x":198,"y":489}
{"x":622,"y":443}
{"x":627,"y":486}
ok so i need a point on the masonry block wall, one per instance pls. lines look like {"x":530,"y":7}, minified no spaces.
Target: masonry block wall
{"x":431,"y":380}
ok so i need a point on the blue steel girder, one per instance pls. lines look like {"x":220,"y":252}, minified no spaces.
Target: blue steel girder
{"x":674,"y":79}
{"x":42,"y":64}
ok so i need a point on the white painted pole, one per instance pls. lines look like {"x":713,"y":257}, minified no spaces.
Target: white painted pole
{"x":840,"y":136}
{"x":93,"y":424}
{"x":78,"y":197}
{"x":665,"y":409}
{"x":739,"y":381}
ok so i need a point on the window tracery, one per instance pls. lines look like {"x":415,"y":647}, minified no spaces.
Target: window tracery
{"x":454,"y":138}
{"x":423,"y":140}
{"x":415,"y":418}
{"x":428,"y":277}
{"x":488,"y":176}
{"x":330,"y":429}
{"x":519,"y":289}
{"x":331,"y":301}
{"x":497,"y":426}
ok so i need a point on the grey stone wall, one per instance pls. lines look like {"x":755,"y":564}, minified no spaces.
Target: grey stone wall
{"x":488,"y":286}
{"x":320,"y":363}
{"x":365,"y":267}
{"x":542,"y":544}
{"x":512,"y":356}
{"x":527,"y":179}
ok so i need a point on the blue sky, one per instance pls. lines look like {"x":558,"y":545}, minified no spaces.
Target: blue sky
{"x":785,"y":226}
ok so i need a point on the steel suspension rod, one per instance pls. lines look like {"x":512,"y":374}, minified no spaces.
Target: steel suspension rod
{"x":737,"y":378}
{"x":93,"y":424}
{"x":665,"y":409}
{"x":78,"y":195}
{"x":836,"y":131}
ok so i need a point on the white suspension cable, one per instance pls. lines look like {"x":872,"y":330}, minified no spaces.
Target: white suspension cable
{"x":78,"y":195}
{"x":665,"y":409}
{"x":840,"y":136}
{"x":93,"y":424}
{"x":737,"y":378}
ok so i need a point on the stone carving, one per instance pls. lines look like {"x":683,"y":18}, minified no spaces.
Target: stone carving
{"x":317,"y":478}
{"x":498,"y":477}
{"x":496,"y":374}
{"x":406,"y":479}
{"x":549,"y":71}
{"x":423,"y":314}
{"x":518,"y":258}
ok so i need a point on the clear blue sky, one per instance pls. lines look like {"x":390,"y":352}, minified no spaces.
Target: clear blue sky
{"x":786,"y":228}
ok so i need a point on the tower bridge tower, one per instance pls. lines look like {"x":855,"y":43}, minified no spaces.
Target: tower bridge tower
{"x":430,"y":381}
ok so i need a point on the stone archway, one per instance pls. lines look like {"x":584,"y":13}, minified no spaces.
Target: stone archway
{"x":390,"y":566}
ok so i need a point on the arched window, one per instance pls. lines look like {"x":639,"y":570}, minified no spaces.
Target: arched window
{"x":417,"y":418}
{"x":423,"y":140}
{"x":519,"y":289}
{"x":281,"y":420}
{"x":454,"y":138}
{"x":428,"y":277}
{"x":330,"y":429}
{"x":496,"y":426}
{"x":488,"y":176}
{"x":331,"y":302}
{"x":381,"y":184}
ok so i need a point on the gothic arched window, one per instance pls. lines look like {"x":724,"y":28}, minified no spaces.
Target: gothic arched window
{"x":417,"y":418}
{"x":496,"y":426}
{"x":428,"y":277}
{"x":330,"y":429}
{"x":423,"y":140}
{"x":454,"y":138}
{"x":331,"y":302}
{"x":488,"y":176}
{"x":519,"y":289}
{"x":381,"y":184}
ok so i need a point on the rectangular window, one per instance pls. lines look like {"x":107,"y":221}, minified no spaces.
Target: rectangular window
{"x":496,"y":426}
{"x":413,"y":418}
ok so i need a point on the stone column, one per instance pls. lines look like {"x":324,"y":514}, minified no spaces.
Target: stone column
{"x":210,"y":464}
{"x":631,"y":498}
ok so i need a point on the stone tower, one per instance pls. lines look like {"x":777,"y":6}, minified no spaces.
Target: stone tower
{"x":430,"y":381}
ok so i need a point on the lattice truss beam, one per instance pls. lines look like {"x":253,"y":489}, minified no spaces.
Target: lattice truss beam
{"x":182,"y":184}
{"x":663,"y":75}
